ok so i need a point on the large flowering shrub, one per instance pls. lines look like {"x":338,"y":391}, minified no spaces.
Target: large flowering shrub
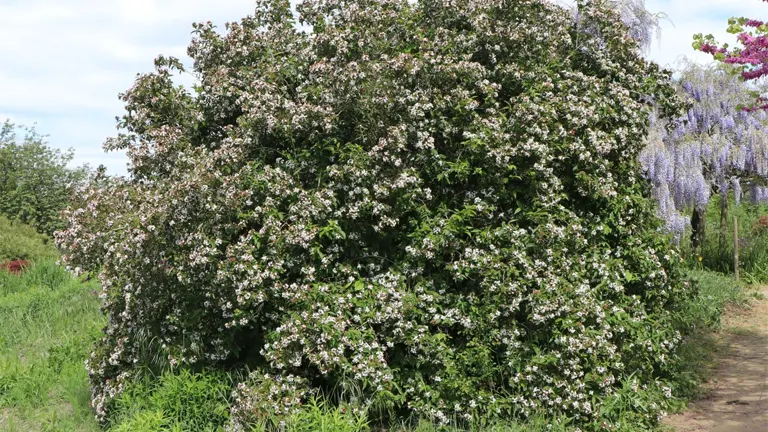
{"x":437,"y":204}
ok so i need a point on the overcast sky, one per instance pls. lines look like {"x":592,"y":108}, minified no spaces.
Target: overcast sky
{"x":64,"y":62}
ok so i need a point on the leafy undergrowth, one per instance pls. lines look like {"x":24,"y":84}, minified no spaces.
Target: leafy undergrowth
{"x":184,"y":401}
{"x":717,"y":250}
{"x":181,"y":401}
{"x":174,"y":401}
{"x":50,"y":321}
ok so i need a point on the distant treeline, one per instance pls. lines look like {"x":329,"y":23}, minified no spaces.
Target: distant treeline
{"x":36,"y":181}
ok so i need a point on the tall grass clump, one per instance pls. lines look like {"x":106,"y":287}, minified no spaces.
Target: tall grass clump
{"x":418,"y":209}
{"x":179,"y":400}
{"x":49,"y":324}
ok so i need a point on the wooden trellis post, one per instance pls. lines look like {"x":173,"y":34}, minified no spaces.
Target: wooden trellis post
{"x":735,"y":247}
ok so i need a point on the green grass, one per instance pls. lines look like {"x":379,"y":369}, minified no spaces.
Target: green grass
{"x":22,"y":242}
{"x":716,"y":253}
{"x":716,"y":291}
{"x":178,"y":400}
{"x":49,"y":322}
{"x":315,"y":416}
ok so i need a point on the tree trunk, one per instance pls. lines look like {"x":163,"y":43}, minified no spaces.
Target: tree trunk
{"x":698,"y":223}
{"x":723,"y":223}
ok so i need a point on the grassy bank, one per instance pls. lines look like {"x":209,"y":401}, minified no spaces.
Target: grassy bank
{"x":21,"y":242}
{"x":49,"y":321}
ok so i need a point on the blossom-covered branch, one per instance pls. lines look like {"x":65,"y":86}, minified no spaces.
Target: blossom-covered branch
{"x":751,"y":57}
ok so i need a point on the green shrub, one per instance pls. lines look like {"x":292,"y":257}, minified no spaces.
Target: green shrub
{"x":21,"y":242}
{"x":437,"y":204}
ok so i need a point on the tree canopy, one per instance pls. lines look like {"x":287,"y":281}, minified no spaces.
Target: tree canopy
{"x":36,"y":181}
{"x":750,"y":57}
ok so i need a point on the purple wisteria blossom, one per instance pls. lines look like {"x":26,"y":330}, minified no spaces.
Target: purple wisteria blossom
{"x":711,"y":148}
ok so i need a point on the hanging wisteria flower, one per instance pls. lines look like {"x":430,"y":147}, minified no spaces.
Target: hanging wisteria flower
{"x":709,"y":149}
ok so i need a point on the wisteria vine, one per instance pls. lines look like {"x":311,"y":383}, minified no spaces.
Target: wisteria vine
{"x":716,"y":147}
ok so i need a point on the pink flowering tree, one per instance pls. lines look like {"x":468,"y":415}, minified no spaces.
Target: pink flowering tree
{"x":435,"y":204}
{"x":750,"y":58}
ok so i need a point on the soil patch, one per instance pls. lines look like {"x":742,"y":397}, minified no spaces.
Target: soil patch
{"x":737,"y":400}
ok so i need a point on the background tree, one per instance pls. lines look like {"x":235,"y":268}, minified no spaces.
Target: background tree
{"x":750,"y":58}
{"x":35,"y":180}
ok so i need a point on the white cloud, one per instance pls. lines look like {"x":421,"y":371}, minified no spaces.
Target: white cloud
{"x":688,"y":17}
{"x":64,"y":63}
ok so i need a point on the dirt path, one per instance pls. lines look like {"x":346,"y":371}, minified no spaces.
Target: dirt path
{"x":738,"y":397}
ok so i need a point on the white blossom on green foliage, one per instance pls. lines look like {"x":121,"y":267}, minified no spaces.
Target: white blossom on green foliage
{"x":438,"y":202}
